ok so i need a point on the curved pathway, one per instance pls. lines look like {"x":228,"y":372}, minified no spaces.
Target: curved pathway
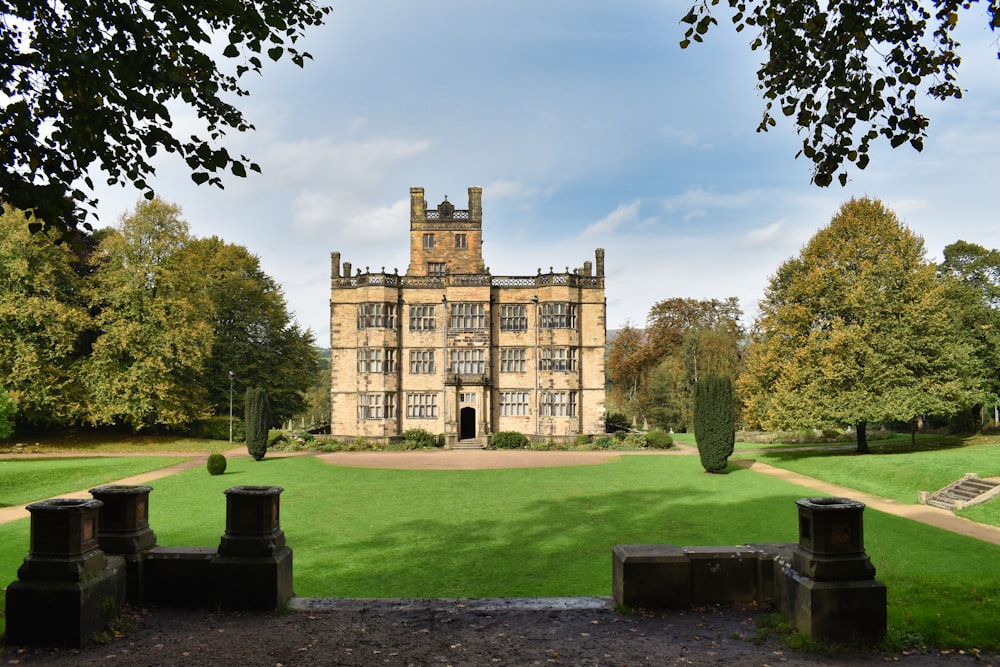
{"x":483,"y":459}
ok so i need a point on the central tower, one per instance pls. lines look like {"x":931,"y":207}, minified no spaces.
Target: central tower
{"x":446,"y":240}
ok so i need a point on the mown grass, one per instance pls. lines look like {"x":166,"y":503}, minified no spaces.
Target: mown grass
{"x":897,"y":472}
{"x":549,"y":532}
{"x":100,"y":442}
{"x":25,"y":480}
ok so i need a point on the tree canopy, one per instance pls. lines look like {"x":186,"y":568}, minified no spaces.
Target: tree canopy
{"x":849,"y":73}
{"x":140,"y":325}
{"x":855,"y":330}
{"x":94,"y":85}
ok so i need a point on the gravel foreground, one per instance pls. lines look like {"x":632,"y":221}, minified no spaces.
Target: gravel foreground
{"x":559,"y":631}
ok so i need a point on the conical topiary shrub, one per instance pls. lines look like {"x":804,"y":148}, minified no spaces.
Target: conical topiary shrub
{"x":256,"y":421}
{"x":714,"y":421}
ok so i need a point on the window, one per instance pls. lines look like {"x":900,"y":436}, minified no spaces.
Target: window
{"x":369,"y":360}
{"x":376,"y":406}
{"x":421,"y":361}
{"x":421,"y":406}
{"x":467,"y":362}
{"x":560,"y":359}
{"x":436,"y":268}
{"x":376,"y":315}
{"x":513,"y":403}
{"x":558,"y":315}
{"x":422,"y":317}
{"x":512,"y":359}
{"x":558,"y":404}
{"x":428,"y":241}
{"x":461,"y":241}
{"x":468,"y":316}
{"x":390,"y":361}
{"x":468,"y":397}
{"x":514,"y":317}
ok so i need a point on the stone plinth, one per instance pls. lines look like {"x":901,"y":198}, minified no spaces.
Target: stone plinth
{"x":67,"y":590}
{"x":124,"y":524}
{"x":254,"y":567}
{"x":831,"y":540}
{"x":253,"y":526}
{"x":830,"y":592}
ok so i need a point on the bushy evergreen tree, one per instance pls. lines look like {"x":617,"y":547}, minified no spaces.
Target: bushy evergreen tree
{"x":714,"y":421}
{"x":256,"y":421}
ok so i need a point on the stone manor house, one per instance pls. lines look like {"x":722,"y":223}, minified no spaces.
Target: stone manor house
{"x":450,"y":348}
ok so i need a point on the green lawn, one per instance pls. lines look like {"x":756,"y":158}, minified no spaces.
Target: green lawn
{"x":549,"y":532}
{"x":99,"y":442}
{"x":890,"y":472}
{"x":25,"y":480}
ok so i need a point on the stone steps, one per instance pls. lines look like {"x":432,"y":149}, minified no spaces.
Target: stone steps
{"x":970,"y":490}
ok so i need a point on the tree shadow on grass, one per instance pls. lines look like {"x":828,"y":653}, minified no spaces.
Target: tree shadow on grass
{"x":543,"y":549}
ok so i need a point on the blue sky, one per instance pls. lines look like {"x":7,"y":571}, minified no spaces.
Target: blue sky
{"x":586,"y":126}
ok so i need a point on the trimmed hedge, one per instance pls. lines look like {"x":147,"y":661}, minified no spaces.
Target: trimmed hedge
{"x":509,"y":440}
{"x":657,"y":439}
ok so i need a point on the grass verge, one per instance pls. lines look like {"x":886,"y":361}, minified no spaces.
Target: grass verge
{"x":25,"y":480}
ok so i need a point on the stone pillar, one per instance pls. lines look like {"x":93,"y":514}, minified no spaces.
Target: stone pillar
{"x":599,"y":257}
{"x":830,"y":592}
{"x":124,"y":531}
{"x":67,"y":590}
{"x":252,"y":521}
{"x":347,"y":269}
{"x":334,"y":264}
{"x":124,"y":519}
{"x":254,"y":567}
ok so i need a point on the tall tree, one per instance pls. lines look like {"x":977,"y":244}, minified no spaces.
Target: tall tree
{"x":856,"y":330}
{"x":669,"y":321}
{"x":94,"y":84}
{"x":43,"y":325}
{"x":254,"y":335}
{"x":155,"y":324}
{"x":849,"y":73}
{"x":972,"y":274}
{"x":627,"y":365}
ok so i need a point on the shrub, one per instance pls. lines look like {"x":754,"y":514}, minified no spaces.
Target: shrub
{"x":633,"y":441}
{"x":714,"y":421}
{"x":418,"y":438}
{"x":658,"y":439}
{"x":603,"y":442}
{"x":582,"y":440}
{"x":509,"y":440}
{"x":620,"y":435}
{"x":216,"y":464}
{"x":258,"y":417}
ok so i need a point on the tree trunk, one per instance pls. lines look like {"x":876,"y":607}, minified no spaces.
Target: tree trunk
{"x":862,"y":434}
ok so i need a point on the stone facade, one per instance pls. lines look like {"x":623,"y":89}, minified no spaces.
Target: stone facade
{"x":452,"y":349}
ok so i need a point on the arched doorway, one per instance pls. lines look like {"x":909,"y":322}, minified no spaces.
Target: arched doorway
{"x":467,"y":425}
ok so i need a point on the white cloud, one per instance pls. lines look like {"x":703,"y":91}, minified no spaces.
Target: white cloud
{"x":625,"y":213}
{"x":763,"y":235}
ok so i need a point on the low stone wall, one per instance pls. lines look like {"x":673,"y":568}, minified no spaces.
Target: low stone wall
{"x":88,"y":556}
{"x":825,"y":584}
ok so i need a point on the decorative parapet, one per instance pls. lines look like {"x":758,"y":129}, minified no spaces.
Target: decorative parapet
{"x":465,"y":279}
